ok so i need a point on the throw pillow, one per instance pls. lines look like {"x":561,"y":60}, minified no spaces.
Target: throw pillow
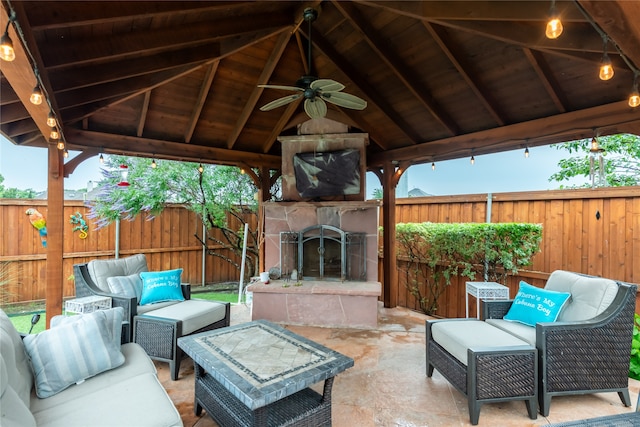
{"x":127,"y":286}
{"x":70,"y":353}
{"x":534,"y":305}
{"x":113,"y":316}
{"x":160,"y":286}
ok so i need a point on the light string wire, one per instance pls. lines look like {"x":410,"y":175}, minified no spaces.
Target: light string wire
{"x":18,"y":29}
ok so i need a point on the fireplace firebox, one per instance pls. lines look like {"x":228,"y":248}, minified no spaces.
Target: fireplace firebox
{"x":323,"y":252}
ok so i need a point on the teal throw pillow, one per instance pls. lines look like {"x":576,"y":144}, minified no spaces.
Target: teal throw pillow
{"x":72,"y":352}
{"x":160,"y":286}
{"x":534,"y":305}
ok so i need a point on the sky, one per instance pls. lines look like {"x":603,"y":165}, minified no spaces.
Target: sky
{"x":26,"y":167}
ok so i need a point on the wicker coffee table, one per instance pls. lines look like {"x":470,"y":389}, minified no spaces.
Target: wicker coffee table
{"x":258,"y":374}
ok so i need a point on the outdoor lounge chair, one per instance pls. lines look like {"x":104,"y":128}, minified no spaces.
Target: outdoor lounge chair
{"x":587,"y":350}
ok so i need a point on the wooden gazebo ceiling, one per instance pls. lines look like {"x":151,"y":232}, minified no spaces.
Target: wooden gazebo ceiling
{"x":443,"y":79}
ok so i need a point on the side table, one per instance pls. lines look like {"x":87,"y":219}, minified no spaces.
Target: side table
{"x":87,"y":304}
{"x":484,"y":290}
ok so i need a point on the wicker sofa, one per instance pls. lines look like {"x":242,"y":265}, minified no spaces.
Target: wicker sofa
{"x":156,"y":326}
{"x":587,"y":350}
{"x":127,"y":395}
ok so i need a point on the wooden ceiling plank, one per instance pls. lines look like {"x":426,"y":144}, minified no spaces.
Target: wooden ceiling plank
{"x":170,"y":150}
{"x":359,"y":81}
{"x":409,"y":79}
{"x":143,"y":113}
{"x":464,"y":69}
{"x":200,"y":100}
{"x":282,"y":122}
{"x":131,"y":45}
{"x":546,"y":78}
{"x":614,"y":118}
{"x":106,"y":13}
{"x":252,"y":101}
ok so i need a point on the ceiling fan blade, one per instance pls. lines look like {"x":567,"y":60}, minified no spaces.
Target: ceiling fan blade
{"x":344,"y":100}
{"x":315,"y":108}
{"x":326,"y":85}
{"x":294,"y":88}
{"x":280,"y":102}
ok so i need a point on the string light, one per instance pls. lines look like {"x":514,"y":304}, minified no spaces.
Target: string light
{"x":51,"y":119}
{"x":473,"y":160}
{"x":154,"y":164}
{"x":101,"y":158}
{"x":65,"y":154}
{"x":200,"y":168}
{"x":36,"y":95}
{"x":554,"y":26}
{"x":60,"y":145}
{"x":54,"y":133}
{"x":606,"y":68}
{"x":433,"y":166}
{"x":526,"y":152}
{"x":7,"y":52}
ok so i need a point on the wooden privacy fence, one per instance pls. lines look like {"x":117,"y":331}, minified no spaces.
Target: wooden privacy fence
{"x":591,"y":231}
{"x":168,"y":242}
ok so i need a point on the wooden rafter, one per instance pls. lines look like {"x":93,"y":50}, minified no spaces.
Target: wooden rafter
{"x":200,"y":100}
{"x":546,"y":78}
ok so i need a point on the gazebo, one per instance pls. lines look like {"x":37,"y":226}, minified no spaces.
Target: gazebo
{"x":425,"y":82}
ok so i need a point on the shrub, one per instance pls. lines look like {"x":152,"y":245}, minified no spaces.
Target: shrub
{"x":432,"y":253}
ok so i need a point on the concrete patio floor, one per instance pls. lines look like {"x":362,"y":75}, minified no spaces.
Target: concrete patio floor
{"x":388,"y":386}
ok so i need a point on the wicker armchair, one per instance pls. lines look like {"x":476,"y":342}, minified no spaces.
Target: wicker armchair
{"x":580,"y":357}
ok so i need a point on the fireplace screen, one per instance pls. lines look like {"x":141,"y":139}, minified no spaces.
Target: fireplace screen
{"x":323,"y":252}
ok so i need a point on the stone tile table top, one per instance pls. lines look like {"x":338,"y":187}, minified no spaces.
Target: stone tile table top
{"x":260,"y":362}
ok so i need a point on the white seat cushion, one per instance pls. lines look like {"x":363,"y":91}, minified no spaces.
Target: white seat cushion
{"x":460,"y":335}
{"x":100,"y":269}
{"x":520,"y":330}
{"x":193,"y":313}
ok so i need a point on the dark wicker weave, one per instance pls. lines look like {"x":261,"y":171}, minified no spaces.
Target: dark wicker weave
{"x":583,"y":357}
{"x":159,"y":337}
{"x":305,"y":408}
{"x":492,"y":375}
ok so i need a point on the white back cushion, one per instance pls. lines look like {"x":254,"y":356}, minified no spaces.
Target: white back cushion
{"x":19,"y":375}
{"x":100,"y":269}
{"x":590,"y":296}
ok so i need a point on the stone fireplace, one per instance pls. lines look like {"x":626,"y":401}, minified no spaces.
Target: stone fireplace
{"x":330,"y":243}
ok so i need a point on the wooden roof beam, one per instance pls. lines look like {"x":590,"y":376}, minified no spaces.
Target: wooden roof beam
{"x":463,"y":68}
{"x":545,"y":75}
{"x":143,"y":113}
{"x":359,"y":81}
{"x":409,"y":79}
{"x":202,"y":97}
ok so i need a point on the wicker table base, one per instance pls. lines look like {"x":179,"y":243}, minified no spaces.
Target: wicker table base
{"x":491,"y":375}
{"x":259,"y":374}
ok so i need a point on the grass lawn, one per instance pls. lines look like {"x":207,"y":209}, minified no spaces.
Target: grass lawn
{"x":23,"y":322}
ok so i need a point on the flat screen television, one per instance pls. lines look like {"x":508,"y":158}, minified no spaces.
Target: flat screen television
{"x":333,"y":173}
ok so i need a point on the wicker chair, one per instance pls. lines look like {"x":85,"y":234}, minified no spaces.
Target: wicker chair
{"x":580,"y":357}
{"x":157,"y":327}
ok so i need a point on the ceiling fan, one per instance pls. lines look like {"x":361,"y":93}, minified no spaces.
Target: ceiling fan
{"x":314,"y":90}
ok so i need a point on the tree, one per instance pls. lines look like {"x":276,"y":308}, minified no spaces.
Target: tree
{"x":212,"y":195}
{"x":621,"y":160}
{"x":14,"y":193}
{"x":377,"y":193}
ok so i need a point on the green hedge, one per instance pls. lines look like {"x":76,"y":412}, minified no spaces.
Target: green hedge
{"x":432,"y":253}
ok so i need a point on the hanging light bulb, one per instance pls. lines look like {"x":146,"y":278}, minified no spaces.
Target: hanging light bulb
{"x":65,"y":154}
{"x":6,"y":45}
{"x":473,"y":160}
{"x":200,"y":168}
{"x":36,"y":96}
{"x":154,"y":164}
{"x":554,"y":26}
{"x":606,"y":68}
{"x":242,"y":172}
{"x":433,"y":166}
{"x":101,"y":158}
{"x":634,"y":97}
{"x":54,"y":133}
{"x":51,"y":119}
{"x":526,"y":152}
{"x":60,"y":145}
